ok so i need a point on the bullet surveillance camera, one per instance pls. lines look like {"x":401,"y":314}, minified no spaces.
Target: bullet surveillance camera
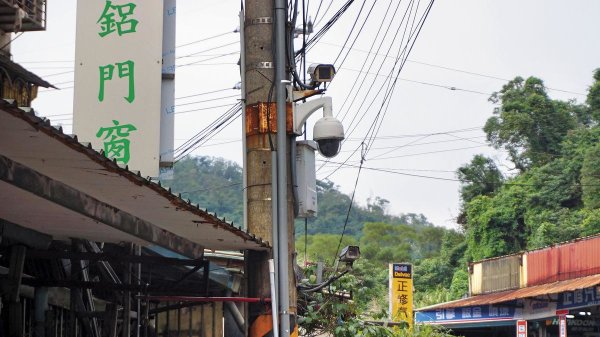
{"x":321,"y":72}
{"x":350,"y":254}
{"x":328,"y":133}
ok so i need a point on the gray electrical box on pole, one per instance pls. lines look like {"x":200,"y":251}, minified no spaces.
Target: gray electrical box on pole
{"x":306,"y":178}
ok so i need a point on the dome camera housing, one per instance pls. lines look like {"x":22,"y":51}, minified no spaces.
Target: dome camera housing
{"x":328,"y":133}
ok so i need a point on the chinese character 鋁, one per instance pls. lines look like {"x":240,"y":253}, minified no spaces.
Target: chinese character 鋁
{"x":124,"y":25}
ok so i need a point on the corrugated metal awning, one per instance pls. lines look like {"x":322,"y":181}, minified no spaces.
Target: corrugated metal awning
{"x":27,"y":141}
{"x":511,"y":295}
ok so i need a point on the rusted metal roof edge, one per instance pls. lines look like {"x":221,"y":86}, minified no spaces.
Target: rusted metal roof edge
{"x":24,"y":73}
{"x":585,"y":238}
{"x":43,"y":125}
{"x":511,"y":295}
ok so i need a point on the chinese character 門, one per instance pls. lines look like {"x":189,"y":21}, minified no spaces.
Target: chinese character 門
{"x":125,"y":70}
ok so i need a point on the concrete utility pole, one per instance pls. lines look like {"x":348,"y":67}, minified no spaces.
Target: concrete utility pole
{"x":264,"y":118}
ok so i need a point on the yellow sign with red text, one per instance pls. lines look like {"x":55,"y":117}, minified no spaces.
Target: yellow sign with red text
{"x":401,"y":293}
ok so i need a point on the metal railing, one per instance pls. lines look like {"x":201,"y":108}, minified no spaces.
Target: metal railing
{"x":34,"y":10}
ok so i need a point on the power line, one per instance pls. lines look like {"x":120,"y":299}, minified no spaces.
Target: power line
{"x":371,"y":134}
{"x":430,"y":152}
{"x":204,"y":93}
{"x":413,"y":135}
{"x":208,"y":132}
{"x":209,"y":49}
{"x":207,"y":100}
{"x":387,"y":170}
{"x":420,"y":144}
{"x":62,"y":73}
{"x":402,"y":54}
{"x":451,"y":69}
{"x":349,"y":208}
{"x":206,"y":108}
{"x":205,"y":39}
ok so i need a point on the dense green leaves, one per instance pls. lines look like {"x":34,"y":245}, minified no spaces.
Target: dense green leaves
{"x":528,"y":124}
{"x":555,"y":197}
{"x":480,"y":177}
{"x":213,"y":183}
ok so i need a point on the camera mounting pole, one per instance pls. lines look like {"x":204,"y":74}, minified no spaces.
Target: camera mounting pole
{"x":305,"y":110}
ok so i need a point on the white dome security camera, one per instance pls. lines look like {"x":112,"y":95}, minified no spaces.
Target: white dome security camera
{"x":328,"y":133}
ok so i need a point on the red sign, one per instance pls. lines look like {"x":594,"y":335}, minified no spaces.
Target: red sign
{"x":562,"y":326}
{"x":562,"y":312}
{"x":521,"y":328}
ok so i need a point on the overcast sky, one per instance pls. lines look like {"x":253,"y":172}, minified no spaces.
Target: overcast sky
{"x":488,"y":41}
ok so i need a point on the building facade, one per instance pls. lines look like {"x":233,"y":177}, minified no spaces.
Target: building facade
{"x":535,"y":290}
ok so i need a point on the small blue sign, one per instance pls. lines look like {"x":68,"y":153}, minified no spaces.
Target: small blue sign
{"x":473,"y":313}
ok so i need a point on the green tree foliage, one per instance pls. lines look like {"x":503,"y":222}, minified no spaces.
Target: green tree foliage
{"x":213,"y":183}
{"x":590,"y":179}
{"x":322,"y":247}
{"x":333,"y":208}
{"x":480,"y":177}
{"x":323,"y":313}
{"x":555,"y":196}
{"x":593,"y":98}
{"x":529,"y":125}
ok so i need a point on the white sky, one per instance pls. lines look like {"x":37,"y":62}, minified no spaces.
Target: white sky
{"x":552,"y":39}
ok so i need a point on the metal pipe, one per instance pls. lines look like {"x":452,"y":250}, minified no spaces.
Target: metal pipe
{"x":138,"y":281}
{"x":274,"y":226}
{"x":282,"y":211}
{"x":243,"y":100}
{"x":206,"y":299}
{"x":239,"y":319}
{"x":274,"y":296}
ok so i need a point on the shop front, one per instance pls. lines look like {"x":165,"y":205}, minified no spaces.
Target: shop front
{"x":472,"y":321}
{"x":574,"y":312}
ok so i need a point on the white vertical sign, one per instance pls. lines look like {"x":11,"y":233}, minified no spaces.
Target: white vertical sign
{"x":562,"y":326}
{"x":118,"y":56}
{"x":521,"y":328}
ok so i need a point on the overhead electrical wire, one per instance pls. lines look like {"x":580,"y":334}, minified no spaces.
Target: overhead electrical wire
{"x":468,"y":72}
{"x":205,"y":39}
{"x":319,"y":34}
{"x":363,"y":81}
{"x":363,"y":155}
{"x":402,"y":53}
{"x":374,"y":129}
{"x":208,"y":132}
{"x":419,"y":144}
{"x":354,"y":26}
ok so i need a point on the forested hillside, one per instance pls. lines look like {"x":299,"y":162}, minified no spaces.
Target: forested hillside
{"x":216,"y":185}
{"x":549,"y":193}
